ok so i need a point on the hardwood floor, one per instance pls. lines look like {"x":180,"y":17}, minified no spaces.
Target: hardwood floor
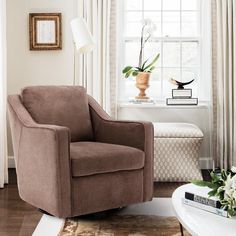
{"x":18,"y":218}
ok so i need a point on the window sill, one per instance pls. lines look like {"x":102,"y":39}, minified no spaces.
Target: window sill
{"x":162,"y":105}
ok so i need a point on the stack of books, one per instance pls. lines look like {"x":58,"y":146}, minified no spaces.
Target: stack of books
{"x":200,"y":199}
{"x":181,"y":97}
{"x":141,"y":101}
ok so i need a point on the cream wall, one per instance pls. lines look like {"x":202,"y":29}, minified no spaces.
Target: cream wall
{"x":27,"y":67}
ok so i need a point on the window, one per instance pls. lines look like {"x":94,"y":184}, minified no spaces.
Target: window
{"x":177,"y":39}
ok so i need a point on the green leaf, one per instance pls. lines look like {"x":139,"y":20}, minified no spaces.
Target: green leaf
{"x":220,"y":189}
{"x":126,"y":69}
{"x":212,"y":193}
{"x":224,"y":174}
{"x":153,"y":62}
{"x":214,"y":176}
{"x":199,"y":183}
{"x":127,"y":74}
{"x":230,"y":212}
{"x":144,"y":64}
{"x":135,"y":73}
{"x":139,"y":69}
{"x":203,"y":183}
{"x":152,"y":68}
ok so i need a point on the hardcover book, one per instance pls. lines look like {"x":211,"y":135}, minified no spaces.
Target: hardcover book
{"x":198,"y":197}
{"x":181,"y":101}
{"x":204,"y":207}
{"x":181,"y":93}
{"x":141,"y":101}
{"x":213,"y":202}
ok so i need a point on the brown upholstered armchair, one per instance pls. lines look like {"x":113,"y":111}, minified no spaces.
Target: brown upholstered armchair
{"x":71,"y":158}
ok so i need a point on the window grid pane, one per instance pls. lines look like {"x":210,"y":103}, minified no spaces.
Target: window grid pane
{"x":177,"y":26}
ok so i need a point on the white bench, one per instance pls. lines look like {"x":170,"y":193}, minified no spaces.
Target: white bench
{"x":176,"y":152}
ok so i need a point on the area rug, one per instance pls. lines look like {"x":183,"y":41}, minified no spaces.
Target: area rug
{"x":122,"y":225}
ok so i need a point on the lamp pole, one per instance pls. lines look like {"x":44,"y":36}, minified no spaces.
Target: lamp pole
{"x":74,"y":75}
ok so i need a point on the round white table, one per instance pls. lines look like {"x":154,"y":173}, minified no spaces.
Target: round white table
{"x":200,"y":222}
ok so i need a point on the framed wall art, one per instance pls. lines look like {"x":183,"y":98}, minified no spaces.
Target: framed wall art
{"x":45,"y":31}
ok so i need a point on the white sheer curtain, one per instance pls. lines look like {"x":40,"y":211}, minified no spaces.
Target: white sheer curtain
{"x":3,"y":135}
{"x":224,"y":81}
{"x":97,"y":71}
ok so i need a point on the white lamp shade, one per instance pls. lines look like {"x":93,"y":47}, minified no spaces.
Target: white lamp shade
{"x":82,"y":37}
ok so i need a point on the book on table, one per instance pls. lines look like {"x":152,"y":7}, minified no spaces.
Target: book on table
{"x":198,"y":198}
{"x":181,"y":101}
{"x":181,"y":93}
{"x":213,"y":202}
{"x":141,"y":101}
{"x":182,"y":97}
{"x":201,"y":206}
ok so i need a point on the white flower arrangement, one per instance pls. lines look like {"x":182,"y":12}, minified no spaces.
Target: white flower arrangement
{"x":223,"y":185}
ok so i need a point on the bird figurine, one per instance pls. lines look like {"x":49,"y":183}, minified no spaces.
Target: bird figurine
{"x":180,"y":84}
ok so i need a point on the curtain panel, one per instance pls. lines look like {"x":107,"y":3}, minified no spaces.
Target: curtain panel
{"x":3,"y":134}
{"x":224,"y":82}
{"x":97,"y":71}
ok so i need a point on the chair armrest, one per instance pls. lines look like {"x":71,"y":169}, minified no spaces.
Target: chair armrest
{"x":42,"y":161}
{"x":135,"y":134}
{"x":129,"y":133}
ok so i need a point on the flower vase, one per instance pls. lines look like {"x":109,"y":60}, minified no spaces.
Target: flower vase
{"x":142,"y":83}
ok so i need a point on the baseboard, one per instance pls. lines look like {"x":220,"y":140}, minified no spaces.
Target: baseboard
{"x":205,"y":162}
{"x":11,"y":162}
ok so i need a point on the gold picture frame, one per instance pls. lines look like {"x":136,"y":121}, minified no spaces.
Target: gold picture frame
{"x":45,"y":31}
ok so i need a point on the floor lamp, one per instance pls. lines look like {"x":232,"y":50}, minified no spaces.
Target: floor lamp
{"x":83,"y":41}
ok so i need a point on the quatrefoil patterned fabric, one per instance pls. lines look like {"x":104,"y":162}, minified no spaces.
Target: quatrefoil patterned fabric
{"x":176,"y":130}
{"x":176,"y":154}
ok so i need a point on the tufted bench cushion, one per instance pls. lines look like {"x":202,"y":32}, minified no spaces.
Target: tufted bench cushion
{"x":176,"y":152}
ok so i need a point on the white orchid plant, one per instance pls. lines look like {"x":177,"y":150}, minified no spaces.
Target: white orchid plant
{"x":147,"y":30}
{"x":223,"y":185}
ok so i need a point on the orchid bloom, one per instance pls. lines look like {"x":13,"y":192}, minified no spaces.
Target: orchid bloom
{"x":147,"y":30}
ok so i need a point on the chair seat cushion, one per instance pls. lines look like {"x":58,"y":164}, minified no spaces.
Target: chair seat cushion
{"x":89,"y":158}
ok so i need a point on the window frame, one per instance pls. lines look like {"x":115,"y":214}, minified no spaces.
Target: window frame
{"x":204,"y":48}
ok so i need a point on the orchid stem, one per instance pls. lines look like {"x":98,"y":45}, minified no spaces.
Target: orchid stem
{"x":141,"y":48}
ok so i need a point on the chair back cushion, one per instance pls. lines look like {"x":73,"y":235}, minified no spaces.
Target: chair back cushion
{"x":60,"y":105}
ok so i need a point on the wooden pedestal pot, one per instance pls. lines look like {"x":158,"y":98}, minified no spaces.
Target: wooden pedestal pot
{"x":142,"y":83}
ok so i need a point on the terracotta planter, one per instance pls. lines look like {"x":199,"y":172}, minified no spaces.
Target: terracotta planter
{"x":142,"y":83}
